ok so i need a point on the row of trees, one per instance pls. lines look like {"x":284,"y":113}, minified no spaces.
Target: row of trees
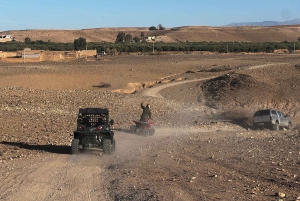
{"x":14,"y":46}
{"x":123,"y":44}
{"x":221,"y":47}
{"x":123,"y":38}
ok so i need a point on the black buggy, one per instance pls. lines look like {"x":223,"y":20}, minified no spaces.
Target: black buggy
{"x":93,"y":130}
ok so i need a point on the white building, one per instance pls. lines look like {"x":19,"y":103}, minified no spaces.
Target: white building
{"x":5,"y":38}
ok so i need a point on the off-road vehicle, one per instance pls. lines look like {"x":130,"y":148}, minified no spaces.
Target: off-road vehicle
{"x":271,"y":118}
{"x":93,"y":130}
{"x":144,"y":128}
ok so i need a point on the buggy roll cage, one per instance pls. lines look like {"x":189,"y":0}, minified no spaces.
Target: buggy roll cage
{"x":92,"y":117}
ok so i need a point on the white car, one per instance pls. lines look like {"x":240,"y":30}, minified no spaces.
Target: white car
{"x":271,"y":118}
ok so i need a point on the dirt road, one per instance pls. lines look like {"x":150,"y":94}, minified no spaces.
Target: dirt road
{"x":53,"y":177}
{"x":154,"y":91}
{"x":88,"y":176}
{"x":64,"y":176}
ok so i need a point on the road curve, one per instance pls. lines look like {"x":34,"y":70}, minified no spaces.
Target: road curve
{"x":154,"y":91}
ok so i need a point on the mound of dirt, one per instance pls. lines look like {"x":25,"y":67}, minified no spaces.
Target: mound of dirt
{"x":230,"y":88}
{"x":241,"y":92}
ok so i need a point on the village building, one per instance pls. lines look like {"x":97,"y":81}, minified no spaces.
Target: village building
{"x":5,"y":38}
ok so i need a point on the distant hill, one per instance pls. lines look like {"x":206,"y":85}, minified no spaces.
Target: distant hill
{"x":267,"y":23}
{"x":289,"y":33}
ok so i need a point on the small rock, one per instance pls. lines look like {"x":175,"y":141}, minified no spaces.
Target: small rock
{"x":281,"y":195}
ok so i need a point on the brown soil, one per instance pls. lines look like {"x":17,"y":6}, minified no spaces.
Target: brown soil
{"x":179,"y":34}
{"x":204,"y":147}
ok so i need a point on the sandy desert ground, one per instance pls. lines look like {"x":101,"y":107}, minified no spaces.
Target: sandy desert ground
{"x":204,"y":147}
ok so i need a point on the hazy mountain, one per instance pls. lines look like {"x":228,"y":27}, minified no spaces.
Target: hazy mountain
{"x":266,"y":23}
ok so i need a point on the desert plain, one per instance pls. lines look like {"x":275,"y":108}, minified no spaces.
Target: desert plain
{"x":204,"y":148}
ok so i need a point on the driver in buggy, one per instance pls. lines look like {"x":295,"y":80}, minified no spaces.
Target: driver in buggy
{"x":146,"y":112}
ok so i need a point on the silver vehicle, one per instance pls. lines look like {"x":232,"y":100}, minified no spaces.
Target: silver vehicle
{"x":271,"y":118}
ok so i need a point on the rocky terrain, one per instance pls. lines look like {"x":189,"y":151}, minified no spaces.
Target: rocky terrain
{"x":204,"y":147}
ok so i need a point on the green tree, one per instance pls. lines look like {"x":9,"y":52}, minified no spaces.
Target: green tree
{"x":128,"y":38}
{"x":160,"y":27}
{"x":80,"y":43}
{"x":120,"y":37}
{"x":27,"y":40}
{"x":152,"y":28}
{"x":136,"y":39}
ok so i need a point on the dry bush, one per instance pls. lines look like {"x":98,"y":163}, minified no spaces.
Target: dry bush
{"x":217,"y":69}
{"x":103,"y":85}
{"x":297,"y":66}
{"x":189,"y":71}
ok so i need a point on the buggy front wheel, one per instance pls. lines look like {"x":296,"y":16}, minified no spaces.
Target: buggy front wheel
{"x":276,"y":126}
{"x":75,"y":146}
{"x":133,"y":129}
{"x":113,"y":148}
{"x":107,"y":147}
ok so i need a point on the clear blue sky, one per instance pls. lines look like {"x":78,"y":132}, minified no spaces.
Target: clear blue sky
{"x":83,"y":14}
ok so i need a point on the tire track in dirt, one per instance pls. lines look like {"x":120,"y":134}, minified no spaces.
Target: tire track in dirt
{"x":56,"y":178}
{"x":265,"y":65}
{"x":25,"y":181}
